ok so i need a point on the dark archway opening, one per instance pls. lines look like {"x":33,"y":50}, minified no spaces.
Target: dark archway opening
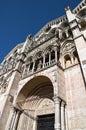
{"x":45,"y":122}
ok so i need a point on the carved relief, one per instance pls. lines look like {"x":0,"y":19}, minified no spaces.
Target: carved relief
{"x":9,"y":63}
{"x":2,"y":69}
{"x":46,"y":103}
{"x":3,"y":84}
{"x":67,"y":47}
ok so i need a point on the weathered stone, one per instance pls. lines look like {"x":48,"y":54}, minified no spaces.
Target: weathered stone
{"x":45,"y":77}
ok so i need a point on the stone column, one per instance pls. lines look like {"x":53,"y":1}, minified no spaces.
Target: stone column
{"x":55,"y":49}
{"x":28,"y":67}
{"x":57,"y":102}
{"x":66,"y":118}
{"x":63,"y":62}
{"x":16,"y":120}
{"x":49,"y":57}
{"x":66,"y":33}
{"x":43,"y":60}
{"x":10,"y":119}
{"x":13,"y":121}
{"x":33,"y":66}
{"x":72,"y":59}
{"x":63,"y":125}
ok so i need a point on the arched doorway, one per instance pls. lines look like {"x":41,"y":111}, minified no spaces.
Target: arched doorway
{"x":35,"y":99}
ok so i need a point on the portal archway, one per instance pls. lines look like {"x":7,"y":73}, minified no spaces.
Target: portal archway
{"x":35,"y":99}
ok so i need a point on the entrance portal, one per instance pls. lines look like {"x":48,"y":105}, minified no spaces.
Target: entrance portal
{"x":45,"y":122}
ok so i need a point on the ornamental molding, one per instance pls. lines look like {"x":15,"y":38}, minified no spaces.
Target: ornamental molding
{"x":67,"y":47}
{"x":4,"y":80}
{"x":79,"y":7}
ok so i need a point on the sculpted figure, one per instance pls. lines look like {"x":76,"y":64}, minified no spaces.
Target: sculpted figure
{"x":29,"y":40}
{"x":58,"y":33}
{"x":39,"y":65}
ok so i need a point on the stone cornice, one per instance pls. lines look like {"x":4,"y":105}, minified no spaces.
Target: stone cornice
{"x":53,"y":22}
{"x":79,"y":7}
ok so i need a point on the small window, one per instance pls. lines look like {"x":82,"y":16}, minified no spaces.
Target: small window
{"x":67,"y":61}
{"x":75,"y":57}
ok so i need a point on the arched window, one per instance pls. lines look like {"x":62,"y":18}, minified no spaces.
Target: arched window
{"x":31,"y":66}
{"x":29,"y":63}
{"x":64,"y":35}
{"x":39,"y":61}
{"x":52,"y":55}
{"x":47,"y":58}
{"x":67,"y":60}
{"x":75,"y":57}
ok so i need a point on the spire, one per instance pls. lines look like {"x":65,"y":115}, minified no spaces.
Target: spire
{"x":70,"y":15}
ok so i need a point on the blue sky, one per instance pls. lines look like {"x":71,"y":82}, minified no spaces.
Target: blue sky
{"x":19,"y":18}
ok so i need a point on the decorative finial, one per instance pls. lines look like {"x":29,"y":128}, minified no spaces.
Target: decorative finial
{"x":67,"y":8}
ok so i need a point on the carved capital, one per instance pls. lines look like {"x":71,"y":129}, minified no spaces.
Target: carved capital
{"x":56,"y":99}
{"x":63,"y":104}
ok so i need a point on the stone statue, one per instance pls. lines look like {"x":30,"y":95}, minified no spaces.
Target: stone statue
{"x":39,"y":65}
{"x":58,"y":33}
{"x":30,"y":42}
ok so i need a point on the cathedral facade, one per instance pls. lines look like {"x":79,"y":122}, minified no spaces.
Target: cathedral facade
{"x":43,"y":80}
